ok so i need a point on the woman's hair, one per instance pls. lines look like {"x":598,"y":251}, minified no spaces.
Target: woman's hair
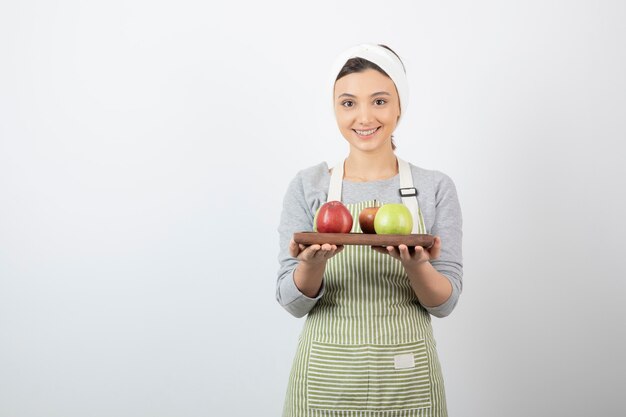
{"x":361,"y":64}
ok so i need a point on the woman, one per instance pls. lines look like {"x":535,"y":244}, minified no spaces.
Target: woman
{"x":367,"y":346}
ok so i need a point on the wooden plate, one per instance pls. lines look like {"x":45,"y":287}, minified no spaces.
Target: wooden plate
{"x":311,"y":238}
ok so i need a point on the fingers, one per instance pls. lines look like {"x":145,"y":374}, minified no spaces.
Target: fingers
{"x":310,"y":251}
{"x":327,"y":247}
{"x":435,"y":250}
{"x":412,"y":254}
{"x":393,"y":251}
{"x":293,"y":248}
{"x":328,"y":251}
{"x":320,"y":252}
{"x":387,"y":250}
{"x":306,"y":252}
{"x":404,"y":253}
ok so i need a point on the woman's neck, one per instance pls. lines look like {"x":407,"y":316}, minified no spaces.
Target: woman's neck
{"x":360,"y":167}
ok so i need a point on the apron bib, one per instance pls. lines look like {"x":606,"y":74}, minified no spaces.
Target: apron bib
{"x":366,"y":348}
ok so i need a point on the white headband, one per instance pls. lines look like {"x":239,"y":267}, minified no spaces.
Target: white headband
{"x":382,"y":57}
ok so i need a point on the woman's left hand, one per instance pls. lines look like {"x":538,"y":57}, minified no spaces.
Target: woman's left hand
{"x":415,"y":257}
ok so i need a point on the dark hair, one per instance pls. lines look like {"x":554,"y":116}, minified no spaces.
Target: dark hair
{"x":361,"y":64}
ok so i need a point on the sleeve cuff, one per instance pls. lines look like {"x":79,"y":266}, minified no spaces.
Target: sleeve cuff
{"x":444,"y":309}
{"x":294,"y":300}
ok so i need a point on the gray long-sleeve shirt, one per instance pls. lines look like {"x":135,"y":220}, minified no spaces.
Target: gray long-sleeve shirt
{"x":438,"y":202}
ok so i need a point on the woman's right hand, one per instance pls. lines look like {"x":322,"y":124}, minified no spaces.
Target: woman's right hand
{"x":313,"y":254}
{"x":309,"y":273}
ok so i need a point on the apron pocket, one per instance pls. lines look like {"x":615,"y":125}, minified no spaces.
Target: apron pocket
{"x":368,"y":377}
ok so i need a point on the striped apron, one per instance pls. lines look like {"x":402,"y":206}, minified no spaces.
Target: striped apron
{"x":366,"y":348}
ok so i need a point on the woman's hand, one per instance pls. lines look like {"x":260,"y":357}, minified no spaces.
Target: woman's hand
{"x":430,"y":286}
{"x":313,"y":254}
{"x":413,"y":257}
{"x":309,"y":273}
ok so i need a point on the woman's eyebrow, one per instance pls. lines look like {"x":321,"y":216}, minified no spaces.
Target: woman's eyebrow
{"x":371,"y":95}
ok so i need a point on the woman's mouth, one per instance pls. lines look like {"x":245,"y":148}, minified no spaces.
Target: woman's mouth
{"x":366,"y":133}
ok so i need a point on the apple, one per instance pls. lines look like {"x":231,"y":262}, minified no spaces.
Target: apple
{"x":366,"y":219}
{"x":333,"y":217}
{"x":393,"y":219}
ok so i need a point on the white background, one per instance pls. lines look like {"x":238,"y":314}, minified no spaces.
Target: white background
{"x":145,"y":147}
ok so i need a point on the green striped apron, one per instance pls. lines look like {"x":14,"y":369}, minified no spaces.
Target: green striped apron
{"x":367,"y":347}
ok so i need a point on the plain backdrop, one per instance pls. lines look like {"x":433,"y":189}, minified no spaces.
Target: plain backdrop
{"x":145,"y":148}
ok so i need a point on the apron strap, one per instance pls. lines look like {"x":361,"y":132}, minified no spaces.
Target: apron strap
{"x":407,"y":191}
{"x":336,"y":178}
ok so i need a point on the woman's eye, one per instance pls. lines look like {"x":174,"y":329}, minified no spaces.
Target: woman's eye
{"x":380,"y":101}
{"x":347,"y":103}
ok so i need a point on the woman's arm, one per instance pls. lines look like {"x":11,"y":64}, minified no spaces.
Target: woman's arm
{"x":448,"y":225}
{"x":436,"y":274}
{"x":309,"y":273}
{"x":430,"y":286}
{"x":300,"y":277}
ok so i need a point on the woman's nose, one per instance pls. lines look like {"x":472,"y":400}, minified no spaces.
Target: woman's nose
{"x":365,"y":115}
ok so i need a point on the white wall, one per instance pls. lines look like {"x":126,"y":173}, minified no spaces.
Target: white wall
{"x":145,"y":147}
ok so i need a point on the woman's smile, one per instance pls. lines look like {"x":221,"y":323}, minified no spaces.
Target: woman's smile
{"x":365,"y":134}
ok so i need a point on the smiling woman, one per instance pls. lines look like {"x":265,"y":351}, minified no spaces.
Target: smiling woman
{"x":358,"y":65}
{"x":367,"y":120}
{"x":367,"y":345}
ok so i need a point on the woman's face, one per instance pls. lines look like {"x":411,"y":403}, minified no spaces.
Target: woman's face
{"x":367,"y":108}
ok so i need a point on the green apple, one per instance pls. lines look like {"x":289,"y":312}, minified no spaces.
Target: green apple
{"x":393,"y":219}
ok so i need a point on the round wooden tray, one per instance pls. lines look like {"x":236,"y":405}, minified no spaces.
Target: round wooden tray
{"x":311,"y":238}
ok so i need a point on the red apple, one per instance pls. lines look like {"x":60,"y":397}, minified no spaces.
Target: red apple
{"x":366,"y":219}
{"x":334,"y":217}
